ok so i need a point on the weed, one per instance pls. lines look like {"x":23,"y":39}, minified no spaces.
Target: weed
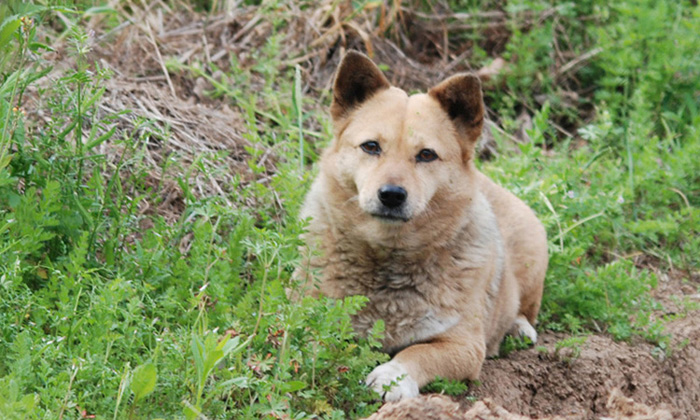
{"x":446,"y":386}
{"x":511,"y":344}
{"x":569,"y":349}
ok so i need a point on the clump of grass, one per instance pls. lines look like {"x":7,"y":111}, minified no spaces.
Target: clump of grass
{"x":446,"y":386}
{"x":511,"y":343}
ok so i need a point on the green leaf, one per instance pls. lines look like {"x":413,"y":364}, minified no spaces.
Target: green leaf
{"x":298,"y":110}
{"x":191,"y":412}
{"x":8,"y":27}
{"x":99,"y":10}
{"x":5,"y":160}
{"x":238,"y":382}
{"x":96,"y":142}
{"x":227,"y":345}
{"x":143,"y":381}
{"x":292,"y":386}
{"x":198,"y":354}
{"x":36,"y":46}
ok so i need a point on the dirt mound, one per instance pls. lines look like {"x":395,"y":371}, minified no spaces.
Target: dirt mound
{"x":599,"y":379}
{"x":540,"y":383}
{"x":438,"y":407}
{"x":575,"y":380}
{"x":443,"y":408}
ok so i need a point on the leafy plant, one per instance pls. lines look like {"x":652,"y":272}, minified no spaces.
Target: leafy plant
{"x":208,"y":353}
{"x":511,"y":344}
{"x":569,"y":349}
{"x":446,"y":386}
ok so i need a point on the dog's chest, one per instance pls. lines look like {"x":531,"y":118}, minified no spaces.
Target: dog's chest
{"x":408,"y":318}
{"x":411,"y":296}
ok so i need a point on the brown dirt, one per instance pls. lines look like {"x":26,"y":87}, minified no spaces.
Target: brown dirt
{"x":538,"y":383}
{"x":533,"y":383}
{"x":436,"y":407}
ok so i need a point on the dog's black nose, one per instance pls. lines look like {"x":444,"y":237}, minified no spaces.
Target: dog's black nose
{"x":392,"y":196}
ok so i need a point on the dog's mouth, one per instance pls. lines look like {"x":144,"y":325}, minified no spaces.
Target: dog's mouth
{"x":391,"y":216}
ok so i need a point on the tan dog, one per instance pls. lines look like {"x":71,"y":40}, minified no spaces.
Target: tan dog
{"x":449,"y":260}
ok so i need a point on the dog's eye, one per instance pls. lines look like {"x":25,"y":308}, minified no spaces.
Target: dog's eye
{"x":426,"y":155}
{"x":371,"y":147}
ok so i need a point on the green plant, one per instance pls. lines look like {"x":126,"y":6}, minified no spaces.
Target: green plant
{"x":446,"y":386}
{"x":569,"y":349}
{"x":511,"y":344}
{"x":208,"y":353}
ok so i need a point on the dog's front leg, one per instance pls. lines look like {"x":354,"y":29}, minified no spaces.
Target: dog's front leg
{"x":417,"y":365}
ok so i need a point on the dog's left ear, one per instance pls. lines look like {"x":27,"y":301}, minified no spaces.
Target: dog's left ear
{"x":461,"y":98}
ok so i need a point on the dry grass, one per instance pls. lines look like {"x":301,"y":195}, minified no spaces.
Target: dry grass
{"x":418,"y":49}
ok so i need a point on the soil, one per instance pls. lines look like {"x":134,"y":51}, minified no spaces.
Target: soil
{"x":537,"y":383}
{"x":590,"y":381}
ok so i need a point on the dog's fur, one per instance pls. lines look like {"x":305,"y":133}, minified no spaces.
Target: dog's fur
{"x":453,"y":264}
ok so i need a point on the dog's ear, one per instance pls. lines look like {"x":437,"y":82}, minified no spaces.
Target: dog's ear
{"x":356,"y":80}
{"x":461,"y":98}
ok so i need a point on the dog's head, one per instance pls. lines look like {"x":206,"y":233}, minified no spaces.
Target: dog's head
{"x":401,"y":157}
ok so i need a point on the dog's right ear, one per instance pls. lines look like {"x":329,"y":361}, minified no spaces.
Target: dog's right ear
{"x":356,"y":80}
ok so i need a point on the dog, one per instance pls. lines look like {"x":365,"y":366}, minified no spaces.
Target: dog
{"x":449,"y":260}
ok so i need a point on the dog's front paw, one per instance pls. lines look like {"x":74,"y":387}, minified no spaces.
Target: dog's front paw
{"x":395,"y":375}
{"x":522,"y":328}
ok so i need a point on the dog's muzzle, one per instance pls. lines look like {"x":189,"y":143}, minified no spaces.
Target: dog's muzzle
{"x":393,"y":199}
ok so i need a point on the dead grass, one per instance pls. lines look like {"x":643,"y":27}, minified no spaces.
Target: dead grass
{"x":419,"y":48}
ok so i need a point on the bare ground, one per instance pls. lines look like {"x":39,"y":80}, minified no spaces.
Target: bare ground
{"x":539,"y":382}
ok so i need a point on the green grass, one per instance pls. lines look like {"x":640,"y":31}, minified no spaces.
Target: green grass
{"x":190,"y":318}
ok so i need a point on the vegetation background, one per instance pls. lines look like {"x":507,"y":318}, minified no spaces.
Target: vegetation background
{"x":154,"y":156}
